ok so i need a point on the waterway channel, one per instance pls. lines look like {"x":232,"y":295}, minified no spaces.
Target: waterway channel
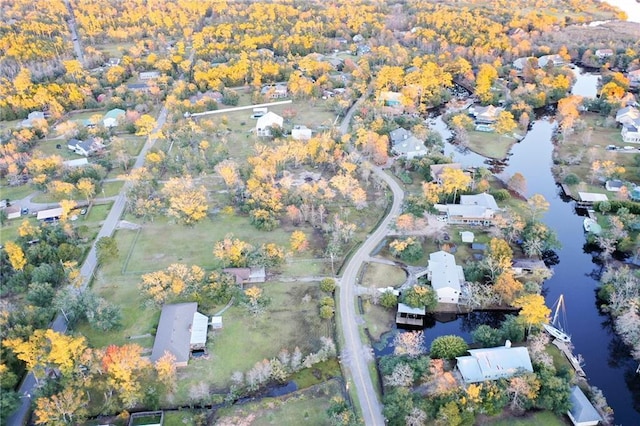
{"x":608,"y":363}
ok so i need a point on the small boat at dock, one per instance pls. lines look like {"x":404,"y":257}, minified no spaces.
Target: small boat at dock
{"x":555,"y":327}
{"x":591,"y":226}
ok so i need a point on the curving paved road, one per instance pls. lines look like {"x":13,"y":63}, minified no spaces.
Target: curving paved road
{"x":356,"y":356}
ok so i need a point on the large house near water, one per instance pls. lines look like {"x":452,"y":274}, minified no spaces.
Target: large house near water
{"x":445,"y":276}
{"x":479,"y":209}
{"x":494,"y":363}
{"x":629,"y":117}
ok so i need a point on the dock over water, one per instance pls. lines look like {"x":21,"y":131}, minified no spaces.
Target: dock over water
{"x":572,"y":359}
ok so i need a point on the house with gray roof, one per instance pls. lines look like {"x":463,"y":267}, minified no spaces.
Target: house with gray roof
{"x":181,"y":330}
{"x":627,"y":115}
{"x":494,"y":363}
{"x":410,"y":148}
{"x":479,"y":209}
{"x":445,"y":276}
{"x":582,"y":412}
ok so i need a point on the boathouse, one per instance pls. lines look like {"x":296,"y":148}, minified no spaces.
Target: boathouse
{"x":410,"y":316}
{"x":582,"y":412}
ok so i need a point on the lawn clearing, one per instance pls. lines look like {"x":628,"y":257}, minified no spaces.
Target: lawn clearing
{"x":490,"y":144}
{"x":110,"y":189}
{"x":378,"y":320}
{"x":13,"y":193}
{"x":192,"y":245}
{"x":292,"y":319}
{"x":545,"y":418}
{"x":307,"y":407}
{"x":379,"y":275}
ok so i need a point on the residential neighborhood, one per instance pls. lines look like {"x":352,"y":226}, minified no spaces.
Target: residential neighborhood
{"x":341,"y":213}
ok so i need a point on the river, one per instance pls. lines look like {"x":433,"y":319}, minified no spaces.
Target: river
{"x":631,"y":7}
{"x":608,"y":363}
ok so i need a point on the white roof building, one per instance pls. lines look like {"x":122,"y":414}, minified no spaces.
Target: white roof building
{"x":582,"y":412}
{"x":301,"y":133}
{"x":410,"y":148}
{"x":446,"y":277}
{"x":266,"y":122}
{"x":494,"y":363}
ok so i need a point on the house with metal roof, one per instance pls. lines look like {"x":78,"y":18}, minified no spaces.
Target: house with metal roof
{"x":582,"y":412}
{"x":407,"y":315}
{"x":478,"y":209}
{"x":445,"y":276}
{"x":181,"y":330}
{"x":494,"y":363}
{"x":410,"y":148}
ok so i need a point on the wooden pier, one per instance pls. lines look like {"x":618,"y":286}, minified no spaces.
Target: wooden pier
{"x":572,"y":359}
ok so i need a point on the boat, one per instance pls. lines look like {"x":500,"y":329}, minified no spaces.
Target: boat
{"x":590,"y":225}
{"x":555,"y":328}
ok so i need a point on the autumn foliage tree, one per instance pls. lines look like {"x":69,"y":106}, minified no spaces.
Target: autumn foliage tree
{"x":186,"y":201}
{"x":125,"y":368}
{"x":177,"y":279}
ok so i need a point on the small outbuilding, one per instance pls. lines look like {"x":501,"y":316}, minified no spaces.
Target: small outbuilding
{"x":467,"y":236}
{"x":582,"y":412}
{"x":407,"y":315}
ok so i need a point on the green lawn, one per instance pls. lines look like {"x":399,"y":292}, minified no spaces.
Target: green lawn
{"x":15,"y":192}
{"x":307,"y":407}
{"x":545,"y":418}
{"x":378,"y":319}
{"x":490,"y":144}
{"x":192,"y":245}
{"x":378,"y":275}
{"x":110,"y":189}
{"x":245,"y":340}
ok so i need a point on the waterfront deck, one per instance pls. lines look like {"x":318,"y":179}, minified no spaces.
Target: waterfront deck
{"x":575,"y":363}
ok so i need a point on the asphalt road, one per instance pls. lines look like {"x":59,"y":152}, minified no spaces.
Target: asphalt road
{"x":20,"y":416}
{"x":355,"y":355}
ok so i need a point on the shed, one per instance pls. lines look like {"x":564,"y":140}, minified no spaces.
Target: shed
{"x":467,"y":236}
{"x":301,"y":132}
{"x":50,"y":214}
{"x":78,"y":162}
{"x":592,"y":197}
{"x":13,"y":212}
{"x":216,"y":322}
{"x":582,"y":412}
{"x":410,"y":316}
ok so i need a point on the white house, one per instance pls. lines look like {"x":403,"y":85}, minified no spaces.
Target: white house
{"x":479,"y":209}
{"x":149,"y":75}
{"x":301,"y":133}
{"x":266,"y":122}
{"x":582,"y":412}
{"x":446,"y":277}
{"x":631,"y":132}
{"x":275,"y":92}
{"x":112,"y":118}
{"x":634,"y":77}
{"x":520,"y":63}
{"x":627,"y":115}
{"x":13,"y":212}
{"x":556,"y":60}
{"x":181,"y":329}
{"x":410,"y":148}
{"x":33,"y":116}
{"x":85,"y":148}
{"x":604,"y":53}
{"x":494,"y":363}
{"x":486,"y":115}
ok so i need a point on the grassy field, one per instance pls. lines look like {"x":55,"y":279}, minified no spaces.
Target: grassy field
{"x":577,"y":152}
{"x":258,"y":338}
{"x":490,"y":144}
{"x":15,"y":192}
{"x":378,"y":275}
{"x":307,"y":407}
{"x":378,"y":319}
{"x":545,"y":418}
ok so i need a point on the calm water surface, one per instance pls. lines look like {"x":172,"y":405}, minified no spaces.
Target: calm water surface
{"x":608,"y":363}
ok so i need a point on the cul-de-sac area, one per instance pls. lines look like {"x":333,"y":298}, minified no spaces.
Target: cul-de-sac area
{"x":319,"y":212}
